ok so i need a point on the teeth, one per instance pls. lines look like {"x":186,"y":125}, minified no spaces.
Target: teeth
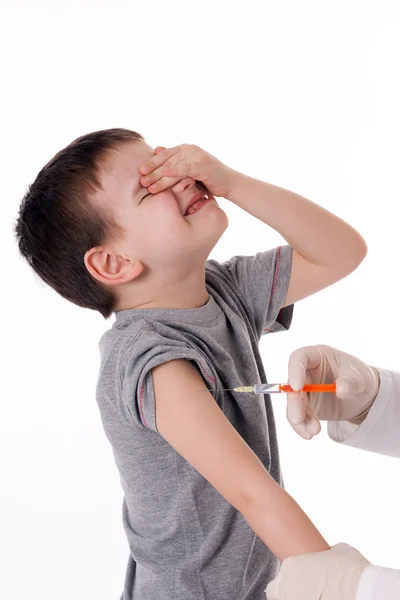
{"x":193,"y":207}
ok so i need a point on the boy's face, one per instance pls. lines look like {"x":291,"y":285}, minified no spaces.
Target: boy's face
{"x":157,"y":231}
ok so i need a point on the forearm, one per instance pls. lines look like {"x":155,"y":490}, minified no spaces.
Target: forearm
{"x":282,"y":525}
{"x":315,"y":233}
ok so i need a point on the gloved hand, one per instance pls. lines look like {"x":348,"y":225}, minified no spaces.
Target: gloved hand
{"x":326,"y":575}
{"x":357,"y":385}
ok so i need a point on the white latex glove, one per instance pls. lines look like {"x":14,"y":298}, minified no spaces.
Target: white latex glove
{"x":331,"y":575}
{"x":357,"y":385}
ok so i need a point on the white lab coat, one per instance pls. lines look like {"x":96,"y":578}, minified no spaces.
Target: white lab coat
{"x":380,"y":432}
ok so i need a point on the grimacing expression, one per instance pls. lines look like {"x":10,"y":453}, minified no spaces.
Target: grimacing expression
{"x":158,"y":229}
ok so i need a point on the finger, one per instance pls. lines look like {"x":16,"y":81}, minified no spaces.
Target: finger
{"x":271,"y":591}
{"x":300,"y":362}
{"x":346,"y":387}
{"x":174,"y":167}
{"x":159,"y":149}
{"x":166,"y":179}
{"x":301,"y":417}
{"x":163,"y":184}
{"x":177,"y":168}
{"x":296,"y":411}
{"x":158,"y":160}
{"x":312,"y":423}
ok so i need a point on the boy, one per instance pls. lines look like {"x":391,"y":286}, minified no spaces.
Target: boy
{"x":115,"y":227}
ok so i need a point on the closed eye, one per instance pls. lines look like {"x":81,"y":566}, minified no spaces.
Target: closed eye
{"x":145,"y":196}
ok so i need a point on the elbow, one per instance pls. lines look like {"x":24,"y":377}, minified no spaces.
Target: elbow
{"x":348,"y":261}
{"x":354,"y":254}
{"x":358,"y":253}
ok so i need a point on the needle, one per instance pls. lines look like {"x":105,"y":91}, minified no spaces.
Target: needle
{"x":279,"y":388}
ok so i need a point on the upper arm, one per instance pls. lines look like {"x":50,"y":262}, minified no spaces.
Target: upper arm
{"x":260,"y":284}
{"x":307,"y":278}
{"x":194,"y":425}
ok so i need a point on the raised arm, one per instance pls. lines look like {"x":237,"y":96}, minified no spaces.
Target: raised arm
{"x":325,"y":248}
{"x":193,"y":424}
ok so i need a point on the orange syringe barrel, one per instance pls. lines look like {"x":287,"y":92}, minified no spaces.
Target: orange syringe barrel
{"x":317,"y":387}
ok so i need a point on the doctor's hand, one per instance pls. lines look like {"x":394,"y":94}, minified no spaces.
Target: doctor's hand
{"x":328,"y":575}
{"x":357,"y":385}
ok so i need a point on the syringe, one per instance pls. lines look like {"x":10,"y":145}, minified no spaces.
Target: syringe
{"x":279,"y":388}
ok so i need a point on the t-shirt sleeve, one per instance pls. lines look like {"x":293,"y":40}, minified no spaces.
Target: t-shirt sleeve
{"x":148,"y":350}
{"x":263,"y":280}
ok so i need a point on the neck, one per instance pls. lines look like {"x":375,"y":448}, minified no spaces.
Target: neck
{"x":180,"y":291}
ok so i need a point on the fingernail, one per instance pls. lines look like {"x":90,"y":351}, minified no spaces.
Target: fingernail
{"x":145,"y":181}
{"x":144,"y":169}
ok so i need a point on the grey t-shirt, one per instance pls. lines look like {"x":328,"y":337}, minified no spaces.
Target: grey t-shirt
{"x":186,"y":541}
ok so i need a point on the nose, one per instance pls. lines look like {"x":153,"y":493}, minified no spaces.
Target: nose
{"x":183,"y":184}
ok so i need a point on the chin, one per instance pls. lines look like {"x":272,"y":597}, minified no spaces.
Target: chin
{"x":216,"y":227}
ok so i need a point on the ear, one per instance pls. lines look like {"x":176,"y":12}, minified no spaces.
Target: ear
{"x":111,"y":268}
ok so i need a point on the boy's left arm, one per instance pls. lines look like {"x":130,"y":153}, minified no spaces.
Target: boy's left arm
{"x":325,"y":248}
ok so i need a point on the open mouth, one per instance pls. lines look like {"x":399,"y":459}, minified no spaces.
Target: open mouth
{"x":198,"y":204}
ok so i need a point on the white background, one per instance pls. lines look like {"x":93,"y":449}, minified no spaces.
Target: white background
{"x":305,"y":95}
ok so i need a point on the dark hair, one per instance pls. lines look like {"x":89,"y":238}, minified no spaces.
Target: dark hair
{"x":57,"y":224}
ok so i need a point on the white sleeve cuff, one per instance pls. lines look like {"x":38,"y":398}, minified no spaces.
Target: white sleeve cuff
{"x":377,"y":583}
{"x":341,"y":431}
{"x":380,"y":432}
